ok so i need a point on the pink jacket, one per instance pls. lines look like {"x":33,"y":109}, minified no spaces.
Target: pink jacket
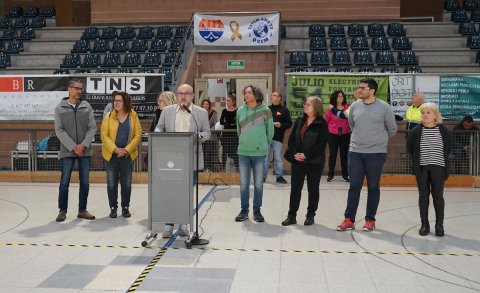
{"x":335,"y":122}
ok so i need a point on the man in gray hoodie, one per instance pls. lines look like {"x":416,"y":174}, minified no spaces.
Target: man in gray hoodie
{"x":75,"y":127}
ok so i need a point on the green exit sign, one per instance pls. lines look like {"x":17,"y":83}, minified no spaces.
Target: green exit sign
{"x":235,"y":64}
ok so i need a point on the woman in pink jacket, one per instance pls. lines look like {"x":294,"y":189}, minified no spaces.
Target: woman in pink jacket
{"x":338,"y":134}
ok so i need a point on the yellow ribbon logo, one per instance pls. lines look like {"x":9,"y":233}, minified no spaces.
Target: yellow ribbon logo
{"x":235,"y":27}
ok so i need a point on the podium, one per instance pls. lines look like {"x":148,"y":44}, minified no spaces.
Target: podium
{"x":170,"y":180}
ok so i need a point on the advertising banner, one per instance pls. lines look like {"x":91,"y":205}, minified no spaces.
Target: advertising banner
{"x":459,"y":96}
{"x":236,"y":30}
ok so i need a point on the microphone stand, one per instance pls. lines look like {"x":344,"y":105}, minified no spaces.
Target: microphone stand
{"x":195,"y":239}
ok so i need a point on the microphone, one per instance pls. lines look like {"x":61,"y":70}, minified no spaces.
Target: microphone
{"x":185,"y":107}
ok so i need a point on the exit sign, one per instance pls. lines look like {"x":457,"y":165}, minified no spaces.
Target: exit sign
{"x":235,"y":64}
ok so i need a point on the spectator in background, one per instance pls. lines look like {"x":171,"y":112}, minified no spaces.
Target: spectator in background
{"x":413,"y":114}
{"x":338,"y":134}
{"x":429,"y":145}
{"x":229,"y":140}
{"x":281,"y":122}
{"x":210,"y":146}
{"x":372,"y":123}
{"x":164,"y":99}
{"x":255,"y":132}
{"x":121,"y":134}
{"x":462,"y":138}
{"x":75,"y":127}
{"x":306,"y":152}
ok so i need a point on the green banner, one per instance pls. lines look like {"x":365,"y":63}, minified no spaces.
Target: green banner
{"x":459,"y":96}
{"x":301,"y":87}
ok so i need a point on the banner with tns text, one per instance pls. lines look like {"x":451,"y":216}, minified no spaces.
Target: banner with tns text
{"x":236,"y":30}
{"x":34,"y":97}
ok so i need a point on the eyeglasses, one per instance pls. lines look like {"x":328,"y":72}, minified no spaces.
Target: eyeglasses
{"x":184,"y":94}
{"x":77,"y":88}
{"x":362,"y":88}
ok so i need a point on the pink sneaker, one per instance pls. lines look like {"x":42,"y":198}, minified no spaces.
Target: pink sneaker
{"x":347,"y":224}
{"x":369,"y":226}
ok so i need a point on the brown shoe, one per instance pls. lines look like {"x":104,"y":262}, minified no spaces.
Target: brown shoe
{"x":62,"y":215}
{"x":85,"y":215}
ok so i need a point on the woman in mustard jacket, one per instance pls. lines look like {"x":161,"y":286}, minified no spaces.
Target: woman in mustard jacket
{"x":121,"y":134}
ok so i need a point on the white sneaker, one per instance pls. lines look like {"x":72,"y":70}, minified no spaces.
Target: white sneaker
{"x":167,"y":233}
{"x":183,"y":230}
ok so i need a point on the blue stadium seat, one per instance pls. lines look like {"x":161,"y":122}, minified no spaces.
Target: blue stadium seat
{"x":363,"y":58}
{"x":90,"y":33}
{"x":344,"y":69}
{"x":316,"y":30}
{"x":61,"y":71}
{"x":21,"y":22}
{"x":338,"y":43}
{"x":109,"y":33}
{"x":299,"y":69}
{"x":384,"y":58}
{"x":283,"y":31}
{"x":395,"y":29}
{"x":297,"y":58}
{"x":164,"y":32}
{"x":413,"y":69}
{"x":473,"y":42}
{"x":477,"y":57}
{"x":401,"y":43}
{"x":27,"y":33}
{"x":138,"y":45}
{"x":475,"y":15}
{"x":32,"y":12}
{"x":318,"y":43}
{"x":131,"y":60}
{"x":9,"y":34}
{"x":91,"y":60}
{"x":359,"y":43}
{"x":375,"y":29}
{"x":119,"y":46}
{"x":127,"y":32}
{"x":124,"y":70}
{"x":467,"y":28}
{"x":356,"y":30}
{"x":5,"y":22}
{"x":81,"y":71}
{"x":158,"y":45}
{"x":321,"y":69}
{"x":111,"y":60}
{"x":2,"y":46}
{"x":5,"y":58}
{"x":152,"y":59}
{"x":336,"y":30}
{"x":407,"y":58}
{"x":452,"y":5}
{"x":390,"y":69}
{"x":38,"y":22}
{"x":15,"y":12}
{"x":319,"y":58}
{"x":14,"y":47}
{"x":380,"y":43}
{"x":175,"y":45}
{"x":81,"y":46}
{"x":145,"y":70}
{"x":470,"y":5}
{"x":103,"y":70}
{"x":367,"y":69}
{"x":341,"y":58}
{"x":71,"y":61}
{"x":100,"y":46}
{"x":145,"y":32}
{"x":180,"y":31}
{"x":168,"y":74}
{"x":459,"y":16}
{"x":49,"y":11}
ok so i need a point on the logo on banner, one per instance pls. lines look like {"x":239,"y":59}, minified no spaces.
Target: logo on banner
{"x":261,"y":30}
{"x":211,"y":30}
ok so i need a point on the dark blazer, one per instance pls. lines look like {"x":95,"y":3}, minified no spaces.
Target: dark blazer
{"x":313,"y":144}
{"x":413,"y":147}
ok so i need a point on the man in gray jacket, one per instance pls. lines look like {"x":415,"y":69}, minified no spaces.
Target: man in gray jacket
{"x":75,"y":127}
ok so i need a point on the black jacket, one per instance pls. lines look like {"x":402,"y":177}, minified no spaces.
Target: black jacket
{"x":155,"y":120}
{"x":282,"y":115}
{"x":413,"y":147}
{"x":313,"y":144}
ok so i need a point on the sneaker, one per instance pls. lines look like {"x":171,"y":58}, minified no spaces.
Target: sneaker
{"x":62,"y":215}
{"x":242,"y":216}
{"x":369,"y":226}
{"x":85,"y":215}
{"x":329,"y":179}
{"x":126,"y":213}
{"x":183,"y":230}
{"x":257,"y":216}
{"x":113,"y":212}
{"x":347,"y":224}
{"x":346,"y":179}
{"x":281,"y":180}
{"x":167,"y":233}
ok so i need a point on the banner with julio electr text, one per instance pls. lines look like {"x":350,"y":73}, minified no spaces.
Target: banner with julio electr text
{"x":236,"y":30}
{"x":301,"y":87}
{"x":34,"y":97}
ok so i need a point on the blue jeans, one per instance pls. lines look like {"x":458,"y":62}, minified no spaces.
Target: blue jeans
{"x":277,"y":159}
{"x":119,"y":169}
{"x":362,"y":165}
{"x":66,"y":167}
{"x":248,"y":164}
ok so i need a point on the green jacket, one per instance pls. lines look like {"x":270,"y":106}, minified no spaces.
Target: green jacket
{"x":254,"y":129}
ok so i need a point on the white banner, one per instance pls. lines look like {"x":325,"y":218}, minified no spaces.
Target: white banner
{"x":235,"y":30}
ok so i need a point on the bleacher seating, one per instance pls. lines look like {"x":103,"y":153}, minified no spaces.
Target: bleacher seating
{"x":170,"y":59}
{"x":91,"y":60}
{"x":175,"y":45}
{"x":321,"y":69}
{"x":356,"y":30}
{"x":390,"y":69}
{"x":119,"y":46}
{"x":131,"y":60}
{"x":380,"y":43}
{"x":359,"y":43}
{"x":2,"y":46}
{"x":109,"y":33}
{"x":452,"y":5}
{"x":32,"y":12}
{"x":71,"y":61}
{"x":164,"y":32}
{"x":15,"y":12}
{"x":61,"y":71}
{"x":363,"y":58}
{"x":319,"y":58}
{"x":9,"y":34}
{"x":316,"y":30}
{"x":299,"y":69}
{"x":375,"y":29}
{"x":341,"y":58}
{"x":407,"y":58}
{"x":138,"y":45}
{"x":318,"y":43}
{"x":384,"y":58}
{"x":81,"y":71}
{"x":90,"y":33}
{"x":49,"y":11}
{"x":81,"y":46}
{"x":127,"y":32}
{"x":395,"y":29}
{"x":38,"y":22}
{"x":297,"y":58}
{"x":180,"y":31}
{"x":473,"y":42}
{"x":413,"y":69}
{"x":459,"y":16}
{"x":470,"y":5}
{"x":145,"y":70}
{"x":152,"y":59}
{"x":401,"y":43}
{"x":5,"y":22}
{"x":367,"y":69}
{"x":467,"y":28}
{"x":168,"y":74}
{"x":125,"y":70}
{"x":336,"y":30}
{"x":338,"y":43}
{"x":111,"y":60}
{"x":27,"y":33}
{"x":14,"y":47}
{"x":158,"y":45}
{"x":103,"y":70}
{"x":344,"y":69}
{"x":100,"y":46}
{"x":283,"y":31}
{"x":21,"y":22}
{"x":477,"y":57}
{"x":145,"y":32}
{"x":475,"y":15}
{"x":5,"y":59}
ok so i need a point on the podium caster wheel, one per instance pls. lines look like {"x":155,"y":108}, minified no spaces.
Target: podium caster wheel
{"x":188,"y":243}
{"x":144,"y":243}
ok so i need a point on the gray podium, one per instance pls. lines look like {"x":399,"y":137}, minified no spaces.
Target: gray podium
{"x":170,"y":180}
